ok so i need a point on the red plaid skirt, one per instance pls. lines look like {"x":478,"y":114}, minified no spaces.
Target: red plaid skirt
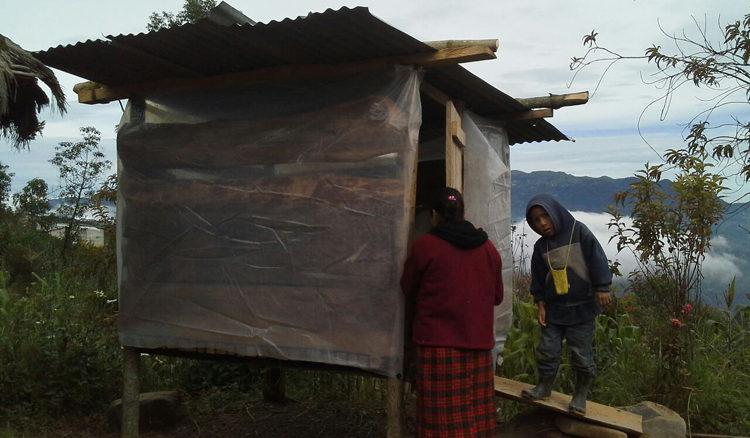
{"x":455,"y":393}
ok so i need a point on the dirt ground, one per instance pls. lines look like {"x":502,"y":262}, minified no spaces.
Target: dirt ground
{"x":252,"y":419}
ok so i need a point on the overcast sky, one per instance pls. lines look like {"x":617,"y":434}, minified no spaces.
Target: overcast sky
{"x":537,"y":41}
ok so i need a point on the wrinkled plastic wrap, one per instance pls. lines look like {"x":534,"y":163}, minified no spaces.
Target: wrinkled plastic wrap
{"x":487,"y":197}
{"x":270,"y":220}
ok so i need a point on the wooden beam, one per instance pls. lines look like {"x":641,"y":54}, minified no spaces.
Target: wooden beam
{"x":457,"y":133}
{"x":595,"y":413}
{"x":395,"y":408}
{"x":525,"y":115}
{"x":274,"y":385}
{"x":130,"y":392}
{"x":454,"y":154}
{"x":555,"y":101}
{"x":434,"y":93}
{"x":448,"y":56}
{"x":446,"y":44}
{"x":91,"y":92}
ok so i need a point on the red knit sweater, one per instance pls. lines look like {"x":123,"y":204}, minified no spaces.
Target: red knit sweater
{"x":456,"y":291}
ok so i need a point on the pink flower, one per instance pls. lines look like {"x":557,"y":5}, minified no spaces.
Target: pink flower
{"x":451,"y":198}
{"x":676,"y":322}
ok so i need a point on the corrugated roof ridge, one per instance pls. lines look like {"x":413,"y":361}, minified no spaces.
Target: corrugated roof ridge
{"x":110,"y":37}
{"x":312,"y":13}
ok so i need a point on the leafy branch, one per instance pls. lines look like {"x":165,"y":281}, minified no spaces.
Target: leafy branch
{"x":721,"y":130}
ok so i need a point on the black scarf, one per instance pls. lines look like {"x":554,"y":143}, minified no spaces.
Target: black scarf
{"x":461,"y":234}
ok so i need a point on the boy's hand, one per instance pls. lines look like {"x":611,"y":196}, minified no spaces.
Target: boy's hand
{"x":541,"y":314}
{"x":603,"y":298}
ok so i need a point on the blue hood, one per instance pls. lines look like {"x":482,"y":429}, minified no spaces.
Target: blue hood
{"x":560,"y":216}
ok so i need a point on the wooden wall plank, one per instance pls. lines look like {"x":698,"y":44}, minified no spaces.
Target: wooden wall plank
{"x":454,"y":156}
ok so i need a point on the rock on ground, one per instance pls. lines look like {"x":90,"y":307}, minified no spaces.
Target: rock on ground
{"x":659,"y":421}
{"x":584,"y":429}
{"x":158,"y":410}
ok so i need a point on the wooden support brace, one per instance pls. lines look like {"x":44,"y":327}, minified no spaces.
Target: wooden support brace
{"x":274,"y":385}
{"x":555,"y":101}
{"x":454,"y":157}
{"x":458,"y":134}
{"x":395,"y":408}
{"x":526,"y":115}
{"x":445,"y":44}
{"x":434,"y":93}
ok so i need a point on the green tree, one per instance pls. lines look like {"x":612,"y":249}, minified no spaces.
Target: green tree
{"x":33,"y":201}
{"x":722,"y":129}
{"x":80,"y":165}
{"x":5,"y":178}
{"x":107,"y":193}
{"x":192,"y":11}
{"x":670,"y":236}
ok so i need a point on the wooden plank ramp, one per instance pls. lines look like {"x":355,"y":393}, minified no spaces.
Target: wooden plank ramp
{"x":558,"y":402}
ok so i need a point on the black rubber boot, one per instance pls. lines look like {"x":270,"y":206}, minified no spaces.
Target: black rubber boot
{"x":578,"y":402}
{"x":541,"y":391}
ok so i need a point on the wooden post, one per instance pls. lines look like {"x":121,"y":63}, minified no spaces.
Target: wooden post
{"x":274,"y":385}
{"x":455,"y":139}
{"x":395,"y":408}
{"x":130,"y":392}
{"x":395,"y":394}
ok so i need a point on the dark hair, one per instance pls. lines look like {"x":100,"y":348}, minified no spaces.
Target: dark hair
{"x":449,"y":204}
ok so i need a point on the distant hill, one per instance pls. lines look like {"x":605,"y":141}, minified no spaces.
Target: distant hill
{"x":580,"y":193}
{"x":584,"y":193}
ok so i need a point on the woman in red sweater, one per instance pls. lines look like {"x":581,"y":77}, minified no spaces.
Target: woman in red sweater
{"x":454,"y":271}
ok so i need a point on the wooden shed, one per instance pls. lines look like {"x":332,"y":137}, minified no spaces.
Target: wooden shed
{"x":271,"y":177}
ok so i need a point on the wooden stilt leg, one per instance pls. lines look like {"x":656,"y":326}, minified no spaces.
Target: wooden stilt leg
{"x":130,"y":392}
{"x":274,"y":385}
{"x":395,"y":408}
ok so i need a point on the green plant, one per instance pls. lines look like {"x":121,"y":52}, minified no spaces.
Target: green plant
{"x":61,"y":338}
{"x":625,"y":365}
{"x":519,"y":361}
{"x":718,"y":378}
{"x":32,"y":202}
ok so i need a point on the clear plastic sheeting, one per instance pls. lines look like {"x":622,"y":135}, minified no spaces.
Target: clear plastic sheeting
{"x":270,"y":220}
{"x":487,"y":197}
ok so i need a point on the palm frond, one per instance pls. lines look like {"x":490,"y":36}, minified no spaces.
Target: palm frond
{"x":21,"y":97}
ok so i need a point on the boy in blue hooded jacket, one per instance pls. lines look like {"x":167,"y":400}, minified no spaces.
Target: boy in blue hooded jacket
{"x":570,"y":281}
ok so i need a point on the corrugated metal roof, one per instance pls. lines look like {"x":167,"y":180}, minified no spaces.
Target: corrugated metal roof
{"x":205,"y":49}
{"x":486,"y":100}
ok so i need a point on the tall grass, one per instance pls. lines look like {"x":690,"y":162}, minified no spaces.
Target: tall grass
{"x":59,"y":348}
